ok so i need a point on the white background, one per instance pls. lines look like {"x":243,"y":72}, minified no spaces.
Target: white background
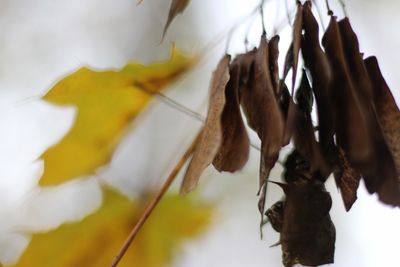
{"x":41,"y":41}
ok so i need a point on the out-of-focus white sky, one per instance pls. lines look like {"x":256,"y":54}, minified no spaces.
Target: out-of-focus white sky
{"x":41,"y":41}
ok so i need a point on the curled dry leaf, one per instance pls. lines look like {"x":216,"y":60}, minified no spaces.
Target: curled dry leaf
{"x":380,"y":175}
{"x":177,"y":6}
{"x":275,"y":215}
{"x":263,"y":114}
{"x":386,"y":109}
{"x":316,"y":62}
{"x":292,"y":55}
{"x":273,"y":52}
{"x":291,"y":62}
{"x":211,"y":136}
{"x":297,"y":31}
{"x":304,"y":137}
{"x":308,"y":234}
{"x":351,"y":126}
{"x":347,"y":180}
{"x":234,"y":150}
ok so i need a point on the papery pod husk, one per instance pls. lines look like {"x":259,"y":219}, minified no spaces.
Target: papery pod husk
{"x":263,"y":114}
{"x":210,"y":138}
{"x":304,"y":138}
{"x":386,"y":109}
{"x":234,"y":150}
{"x":380,"y":174}
{"x":347,"y":180}
{"x":317,"y":63}
{"x":307,"y":234}
{"x":273,"y":47}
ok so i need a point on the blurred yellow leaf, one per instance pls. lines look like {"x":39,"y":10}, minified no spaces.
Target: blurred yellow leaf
{"x":106,"y":102}
{"x":95,"y":241}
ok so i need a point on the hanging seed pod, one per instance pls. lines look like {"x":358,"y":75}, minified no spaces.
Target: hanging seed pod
{"x":263,"y":114}
{"x":380,"y":175}
{"x":347,"y":180}
{"x":317,"y":63}
{"x":211,"y":136}
{"x":307,"y":234}
{"x":234,"y":150}
{"x":386,"y":109}
{"x":303,"y":137}
{"x":273,"y":47}
{"x":352,"y":132}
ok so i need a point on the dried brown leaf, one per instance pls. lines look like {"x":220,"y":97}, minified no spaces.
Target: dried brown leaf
{"x":380,"y":174}
{"x":304,"y":137}
{"x":352,"y":131}
{"x":234,"y":150}
{"x":386,"y":109}
{"x":289,"y":110}
{"x":317,"y":63}
{"x":263,"y":114}
{"x":273,"y":47}
{"x":347,"y":180}
{"x":297,"y":30}
{"x":211,"y":136}
{"x":308,"y":234}
{"x":245,"y":62}
{"x":177,"y":6}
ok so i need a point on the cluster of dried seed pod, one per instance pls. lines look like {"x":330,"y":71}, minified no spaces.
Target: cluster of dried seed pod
{"x":358,"y":129}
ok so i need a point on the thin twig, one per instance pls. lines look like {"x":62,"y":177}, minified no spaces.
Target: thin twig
{"x":262,"y":16}
{"x":189,"y":112}
{"x":179,"y":107}
{"x":330,"y":12}
{"x":343,"y":8}
{"x":151,"y":206}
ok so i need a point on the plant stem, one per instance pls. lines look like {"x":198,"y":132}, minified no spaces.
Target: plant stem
{"x":151,"y":206}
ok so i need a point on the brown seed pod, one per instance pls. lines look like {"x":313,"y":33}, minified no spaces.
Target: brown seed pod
{"x":234,"y":150}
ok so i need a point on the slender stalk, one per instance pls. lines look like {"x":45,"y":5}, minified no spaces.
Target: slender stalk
{"x":330,"y":12}
{"x":153,"y":203}
{"x":262,"y":16}
{"x":343,"y":8}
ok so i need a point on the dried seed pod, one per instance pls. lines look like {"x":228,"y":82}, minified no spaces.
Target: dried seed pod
{"x":347,"y":180}
{"x":352,"y":130}
{"x":297,"y":29}
{"x":380,"y":174}
{"x":386,"y":109}
{"x":263,"y":114}
{"x":245,"y":62}
{"x":275,"y":215}
{"x":308,"y":234}
{"x":273,"y":47}
{"x":303,"y":137}
{"x":317,"y":63}
{"x":234,"y":150}
{"x":211,"y":136}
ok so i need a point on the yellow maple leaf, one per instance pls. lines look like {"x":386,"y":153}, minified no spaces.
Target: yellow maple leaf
{"x":95,"y":241}
{"x":106,"y":102}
